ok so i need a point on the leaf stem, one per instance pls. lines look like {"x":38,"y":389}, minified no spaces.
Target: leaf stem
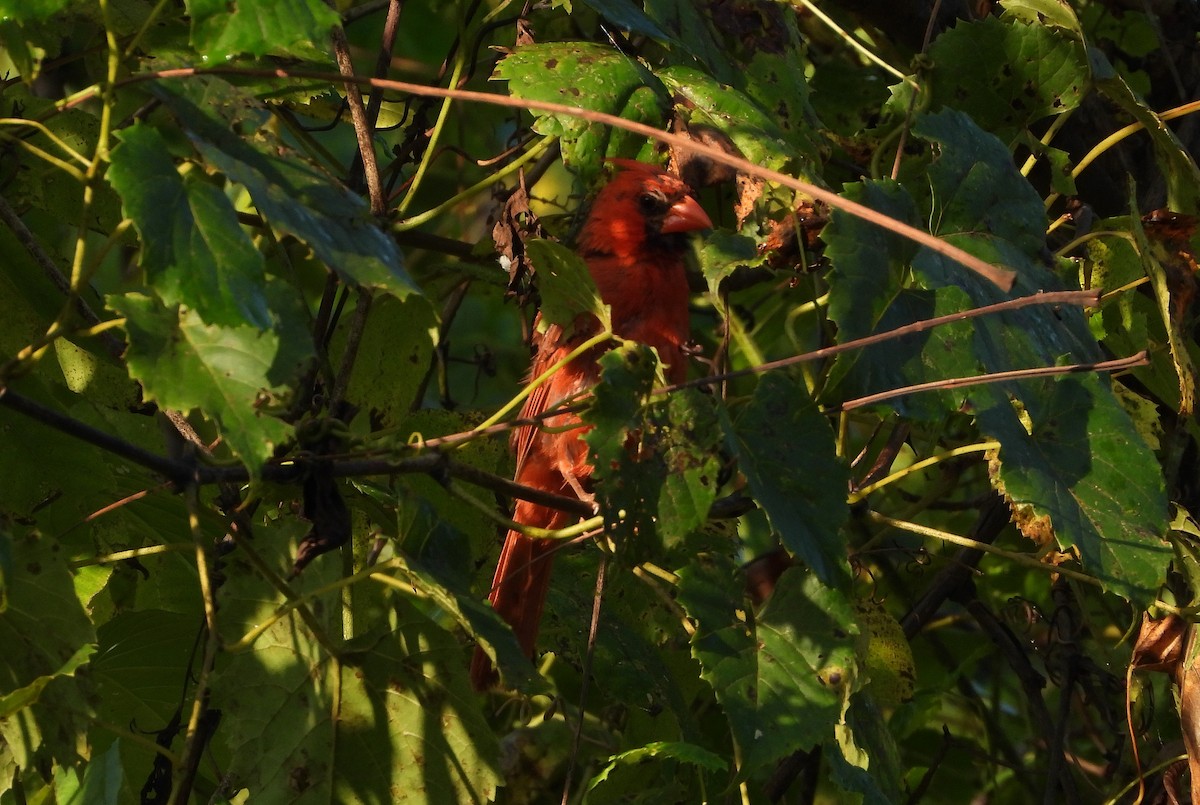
{"x":1119,"y":135}
{"x":1133,"y":128}
{"x":862,"y":49}
{"x":434,"y":136}
{"x":860,"y":494}
{"x":1025,"y":560}
{"x":535,"y":151}
{"x":52,"y":137}
{"x":583,"y":348}
{"x":530,"y":531}
{"x":134,"y":553}
{"x":72,"y":171}
{"x":1055,"y":126}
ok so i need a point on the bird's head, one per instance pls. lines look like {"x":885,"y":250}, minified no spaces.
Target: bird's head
{"x":643,"y":210}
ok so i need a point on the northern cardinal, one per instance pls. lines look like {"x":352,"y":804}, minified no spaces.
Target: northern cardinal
{"x":633,"y":240}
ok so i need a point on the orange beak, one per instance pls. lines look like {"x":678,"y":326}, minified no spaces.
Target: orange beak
{"x":686,"y":215}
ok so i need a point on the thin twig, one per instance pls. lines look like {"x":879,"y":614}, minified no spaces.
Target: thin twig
{"x":27,"y":239}
{"x":916,"y":93}
{"x":176,"y":471}
{"x":1082,"y":298}
{"x":196,"y":737}
{"x":1140,"y":359}
{"x":362,"y":126}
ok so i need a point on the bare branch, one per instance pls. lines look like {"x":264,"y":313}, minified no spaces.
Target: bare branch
{"x":1140,"y":359}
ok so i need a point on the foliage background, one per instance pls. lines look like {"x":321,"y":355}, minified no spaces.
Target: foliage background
{"x":229,"y":345}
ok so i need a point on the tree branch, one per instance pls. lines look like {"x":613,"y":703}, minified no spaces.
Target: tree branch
{"x":1140,"y":359}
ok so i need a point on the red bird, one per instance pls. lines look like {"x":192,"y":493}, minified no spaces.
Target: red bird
{"x":634,"y":241}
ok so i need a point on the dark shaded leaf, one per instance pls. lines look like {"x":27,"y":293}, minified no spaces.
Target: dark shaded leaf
{"x":690,"y":435}
{"x":664,"y":750}
{"x":1076,"y":470}
{"x":785,"y":448}
{"x":782,"y":680}
{"x":48,"y":637}
{"x":1021,"y":73}
{"x":627,"y":472}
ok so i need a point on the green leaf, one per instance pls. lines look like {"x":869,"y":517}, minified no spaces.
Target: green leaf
{"x":774,"y":83}
{"x":1054,"y":12}
{"x":185,"y":364}
{"x":17,"y":700}
{"x":1076,"y":469}
{"x":864,"y":757}
{"x":723,"y":253}
{"x":292,"y":196}
{"x":868,"y":267}
{"x":393,"y":355}
{"x":399,"y":693}
{"x":1155,"y":258}
{"x":22,"y":11}
{"x":587,"y":76}
{"x":260,"y":27}
{"x":565,"y":286}
{"x":47,"y":638}
{"x":977,"y":190}
{"x":404,"y":729}
{"x":691,"y":435}
{"x":781,"y":680}
{"x":785,"y":448}
{"x":692,"y":36}
{"x":1020,"y":73}
{"x":193,"y":248}
{"x":627,"y":15}
{"x":755,"y":133}
{"x":666,"y":750}
{"x":391,"y":718}
{"x":1130,"y":321}
{"x":101,"y":784}
{"x":628,"y":661}
{"x":628,"y":479}
{"x":481,"y":622}
{"x":142,"y":659}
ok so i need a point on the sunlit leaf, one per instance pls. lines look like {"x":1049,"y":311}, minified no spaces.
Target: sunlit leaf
{"x":566,"y":285}
{"x":193,"y":249}
{"x":586,"y":76}
{"x":228,"y":372}
{"x":261,"y":27}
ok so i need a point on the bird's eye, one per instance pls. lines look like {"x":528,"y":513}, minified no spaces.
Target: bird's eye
{"x":651,"y":203}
